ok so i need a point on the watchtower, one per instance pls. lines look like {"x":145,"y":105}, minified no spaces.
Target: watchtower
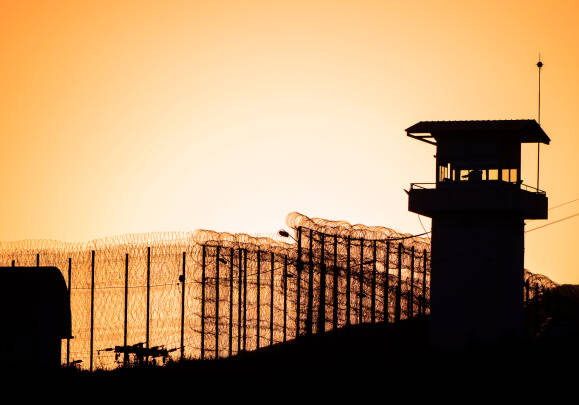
{"x":478,"y":206}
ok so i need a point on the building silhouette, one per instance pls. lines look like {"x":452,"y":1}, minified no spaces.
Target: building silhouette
{"x":478,"y":206}
{"x":35,"y":311}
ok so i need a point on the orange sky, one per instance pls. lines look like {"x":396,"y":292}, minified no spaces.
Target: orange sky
{"x":136,"y":116}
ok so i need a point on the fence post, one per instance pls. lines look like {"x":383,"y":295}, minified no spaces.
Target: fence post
{"x":373,"y":298}
{"x":386,"y":303}
{"x":125,"y":318}
{"x":321,"y":327}
{"x":424,"y":283}
{"x":203,"y":303}
{"x":361,"y":284}
{"x":399,"y":285}
{"x":411,"y":292}
{"x":217,"y":259}
{"x":183,"y":280}
{"x":244,"y":299}
{"x":91,"y":309}
{"x":271,"y":287}
{"x":348,"y":276}
{"x":37,"y":259}
{"x":231,"y":302}
{"x":285,"y":298}
{"x":13,"y":263}
{"x":69,"y":294}
{"x":335,"y":286}
{"x":310,"y":314}
{"x":258,"y":292}
{"x":147,"y":335}
{"x":299,"y":281}
{"x":239,"y":290}
{"x":527,"y":288}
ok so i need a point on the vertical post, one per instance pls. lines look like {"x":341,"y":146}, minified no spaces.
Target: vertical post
{"x":91,"y":309}
{"x":527,"y":290}
{"x":399,"y":285}
{"x":271,"y":289}
{"x":239,"y":290}
{"x":183,"y":280}
{"x":203,"y":302}
{"x":310,"y":314}
{"x":425,"y":258}
{"x":148,"y":330}
{"x":13,"y":263}
{"x":244,"y":299}
{"x":126,"y":306}
{"x":321,"y":327}
{"x":373,"y":293}
{"x":37,"y":259}
{"x":217,"y":259}
{"x":411,"y":292}
{"x":335,"y":286}
{"x":361,"y":284}
{"x":69,"y":291}
{"x":299,"y":281}
{"x":348,"y":274}
{"x":231,"y":302}
{"x":386,"y":307}
{"x":285,"y":298}
{"x":258,"y":291}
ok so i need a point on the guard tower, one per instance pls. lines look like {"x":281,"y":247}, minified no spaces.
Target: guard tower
{"x":478,"y":206}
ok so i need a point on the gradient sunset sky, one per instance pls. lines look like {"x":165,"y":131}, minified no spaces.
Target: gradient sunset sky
{"x":136,"y":116}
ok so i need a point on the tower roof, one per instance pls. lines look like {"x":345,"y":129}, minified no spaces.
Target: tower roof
{"x":525,"y":131}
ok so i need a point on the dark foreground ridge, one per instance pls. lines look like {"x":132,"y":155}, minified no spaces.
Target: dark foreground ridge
{"x":398,"y":353}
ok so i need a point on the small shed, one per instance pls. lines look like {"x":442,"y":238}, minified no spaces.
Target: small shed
{"x":35,"y":316}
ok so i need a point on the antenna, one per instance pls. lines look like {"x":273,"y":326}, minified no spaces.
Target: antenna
{"x":539,"y":65}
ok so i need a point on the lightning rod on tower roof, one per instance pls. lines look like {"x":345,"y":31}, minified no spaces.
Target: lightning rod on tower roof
{"x":539,"y":65}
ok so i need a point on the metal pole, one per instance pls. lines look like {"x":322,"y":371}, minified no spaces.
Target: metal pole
{"x":258,"y":291}
{"x":148,"y":330}
{"x":244,"y":299}
{"x":348,"y":274}
{"x":203,"y":303}
{"x":69,"y":293}
{"x":335,"y":286}
{"x":310,"y":314}
{"x":386,"y":307}
{"x":299,"y":281}
{"x":231,"y":302}
{"x":399,"y":285}
{"x":239,"y":290}
{"x":361,"y":284}
{"x":373,"y":294}
{"x":424,"y":283}
{"x":411,"y":295}
{"x":271,"y":288}
{"x":183,"y":283}
{"x":125,"y":319}
{"x":321,"y":327}
{"x":217,"y":257}
{"x":284,"y":298}
{"x":527,"y":292}
{"x":91,"y":309}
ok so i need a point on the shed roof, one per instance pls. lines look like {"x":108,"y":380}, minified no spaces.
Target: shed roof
{"x":525,"y":131}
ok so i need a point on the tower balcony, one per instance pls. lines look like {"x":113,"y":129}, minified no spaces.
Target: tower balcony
{"x":488,"y":197}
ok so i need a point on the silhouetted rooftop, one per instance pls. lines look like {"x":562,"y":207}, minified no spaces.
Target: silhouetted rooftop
{"x":526,"y":131}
